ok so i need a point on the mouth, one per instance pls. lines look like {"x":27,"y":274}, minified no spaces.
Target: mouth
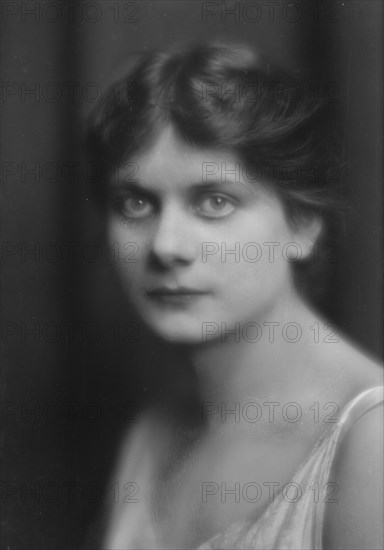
{"x":177,"y":291}
{"x":175,"y":296}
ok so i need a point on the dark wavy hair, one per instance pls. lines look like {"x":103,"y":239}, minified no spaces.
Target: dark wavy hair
{"x":229,"y":97}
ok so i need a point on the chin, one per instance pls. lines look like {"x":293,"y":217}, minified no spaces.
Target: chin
{"x":172,"y":324}
{"x":174,"y":329}
{"x":176,"y":334}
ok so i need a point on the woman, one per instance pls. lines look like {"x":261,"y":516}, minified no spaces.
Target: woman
{"x":217,"y":181}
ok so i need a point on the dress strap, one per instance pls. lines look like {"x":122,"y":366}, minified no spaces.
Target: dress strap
{"x":355,"y":409}
{"x":360,"y":405}
{"x":287,"y":525}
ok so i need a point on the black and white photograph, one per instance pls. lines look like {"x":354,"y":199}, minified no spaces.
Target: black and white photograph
{"x":191,"y":275}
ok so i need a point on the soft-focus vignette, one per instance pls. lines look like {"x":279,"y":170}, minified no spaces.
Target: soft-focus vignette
{"x":71,"y":381}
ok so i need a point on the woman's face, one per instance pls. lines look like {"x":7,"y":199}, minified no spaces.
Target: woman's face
{"x":199,"y":248}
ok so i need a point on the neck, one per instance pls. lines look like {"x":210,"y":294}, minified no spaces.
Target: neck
{"x":264,"y":357}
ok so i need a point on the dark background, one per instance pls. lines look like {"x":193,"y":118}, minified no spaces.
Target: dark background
{"x":56,"y":456}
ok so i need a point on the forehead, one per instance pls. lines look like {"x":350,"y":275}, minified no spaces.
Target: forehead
{"x":171,"y":156}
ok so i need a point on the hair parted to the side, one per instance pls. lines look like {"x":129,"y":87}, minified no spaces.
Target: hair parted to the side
{"x":229,"y":98}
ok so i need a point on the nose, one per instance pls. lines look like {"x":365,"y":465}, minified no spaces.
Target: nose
{"x":172,"y":242}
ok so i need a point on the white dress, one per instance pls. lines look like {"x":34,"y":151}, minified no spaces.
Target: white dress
{"x":282,"y":525}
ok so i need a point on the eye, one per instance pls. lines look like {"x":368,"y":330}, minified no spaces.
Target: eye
{"x":216,"y":206}
{"x":135,"y":206}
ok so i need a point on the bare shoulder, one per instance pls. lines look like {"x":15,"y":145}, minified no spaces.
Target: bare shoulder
{"x":363,"y":369}
{"x":356,"y":519}
{"x":361,"y":360}
{"x":347,"y":368}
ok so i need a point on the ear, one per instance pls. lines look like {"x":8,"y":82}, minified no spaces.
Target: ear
{"x":308,"y":230}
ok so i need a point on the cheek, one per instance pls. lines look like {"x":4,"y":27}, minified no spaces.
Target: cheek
{"x":120,"y":233}
{"x":255,"y":255}
{"x":249,"y":267}
{"x":260,"y":237}
{"x":126,"y":252}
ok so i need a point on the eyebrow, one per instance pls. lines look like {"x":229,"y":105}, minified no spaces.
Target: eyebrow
{"x":128,"y":183}
{"x":137,"y":185}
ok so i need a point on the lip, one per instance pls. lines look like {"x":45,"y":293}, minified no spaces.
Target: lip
{"x":178,"y":291}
